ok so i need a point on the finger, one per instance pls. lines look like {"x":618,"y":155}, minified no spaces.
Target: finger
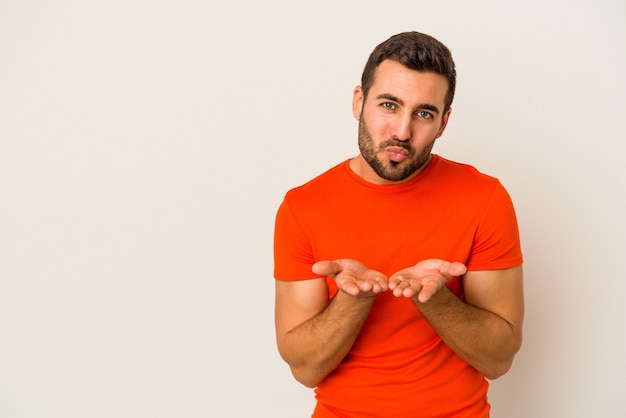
{"x":374,"y":285}
{"x":428,"y":290}
{"x":405,"y":289}
{"x":412,"y":290}
{"x":395,"y":280}
{"x":365,"y":286}
{"x":360,"y":288}
{"x":380,"y":283}
{"x":326,"y":268}
{"x":350,"y":288}
{"x":452,"y":269}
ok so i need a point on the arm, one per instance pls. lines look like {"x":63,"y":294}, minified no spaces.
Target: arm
{"x":314,"y":334}
{"x":485,"y":329}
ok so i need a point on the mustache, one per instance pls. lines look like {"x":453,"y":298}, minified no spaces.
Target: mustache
{"x":396,"y":143}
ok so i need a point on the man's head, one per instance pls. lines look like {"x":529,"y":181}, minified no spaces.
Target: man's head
{"x":417,"y":51}
{"x":402,"y":106}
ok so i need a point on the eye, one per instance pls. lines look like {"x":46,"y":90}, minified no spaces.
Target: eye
{"x":423,"y":114}
{"x":388,"y":105}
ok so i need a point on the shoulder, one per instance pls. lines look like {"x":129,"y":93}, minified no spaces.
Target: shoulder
{"x":319,"y":184}
{"x":463,"y":181}
{"x":444,"y":168}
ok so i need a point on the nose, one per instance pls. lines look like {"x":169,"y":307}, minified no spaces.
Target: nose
{"x":402,"y":127}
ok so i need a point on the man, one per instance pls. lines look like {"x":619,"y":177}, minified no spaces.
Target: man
{"x":399,"y":278}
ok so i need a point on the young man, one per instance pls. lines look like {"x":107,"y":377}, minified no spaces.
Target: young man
{"x":398,"y":272}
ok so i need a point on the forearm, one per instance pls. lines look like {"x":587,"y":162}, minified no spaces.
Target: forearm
{"x":315,"y":348}
{"x":485,"y":340}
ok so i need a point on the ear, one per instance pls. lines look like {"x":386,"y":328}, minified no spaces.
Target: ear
{"x":444,"y":123}
{"x":357,"y":102}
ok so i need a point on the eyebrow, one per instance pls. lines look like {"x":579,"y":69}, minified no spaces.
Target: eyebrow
{"x":391,"y":97}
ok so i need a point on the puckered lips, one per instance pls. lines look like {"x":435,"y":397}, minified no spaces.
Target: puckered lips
{"x":397,"y":154}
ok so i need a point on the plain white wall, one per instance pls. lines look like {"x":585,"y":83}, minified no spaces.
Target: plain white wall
{"x":145,"y":146}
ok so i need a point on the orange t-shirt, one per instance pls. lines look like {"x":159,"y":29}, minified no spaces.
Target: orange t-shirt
{"x":398,"y":366}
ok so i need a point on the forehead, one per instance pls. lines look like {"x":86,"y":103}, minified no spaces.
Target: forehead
{"x":393,"y":78}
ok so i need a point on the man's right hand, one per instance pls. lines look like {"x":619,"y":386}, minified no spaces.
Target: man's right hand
{"x":315,"y":333}
{"x":353,"y":277}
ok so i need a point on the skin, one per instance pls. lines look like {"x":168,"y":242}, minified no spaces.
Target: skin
{"x":403,"y":113}
{"x":398,"y":124}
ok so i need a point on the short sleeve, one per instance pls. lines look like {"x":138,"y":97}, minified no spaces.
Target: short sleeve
{"x":293,"y":256}
{"x":497,"y":242}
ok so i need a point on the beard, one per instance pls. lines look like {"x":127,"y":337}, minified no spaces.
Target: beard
{"x":391,"y":170}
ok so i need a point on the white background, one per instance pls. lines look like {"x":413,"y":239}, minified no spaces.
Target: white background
{"x":146,"y":145}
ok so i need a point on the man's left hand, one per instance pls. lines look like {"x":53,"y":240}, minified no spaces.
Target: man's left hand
{"x":424,"y":279}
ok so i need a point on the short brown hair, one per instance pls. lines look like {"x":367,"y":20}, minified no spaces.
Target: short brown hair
{"x":417,"y":51}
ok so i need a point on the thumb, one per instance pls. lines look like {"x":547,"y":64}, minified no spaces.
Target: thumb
{"x":453,"y":269}
{"x":326,"y":268}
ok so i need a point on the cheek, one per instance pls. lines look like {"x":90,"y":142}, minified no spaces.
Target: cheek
{"x":378,"y":127}
{"x":426,"y":133}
